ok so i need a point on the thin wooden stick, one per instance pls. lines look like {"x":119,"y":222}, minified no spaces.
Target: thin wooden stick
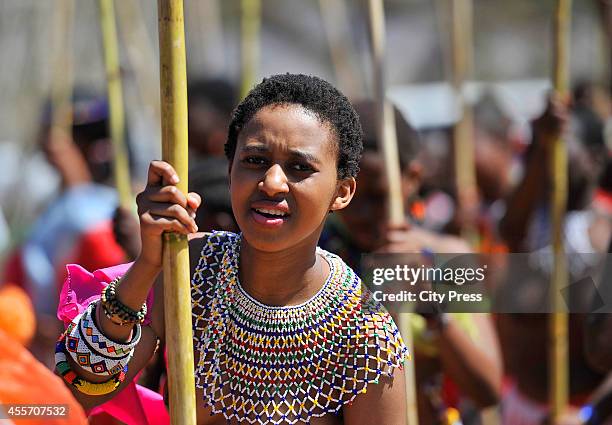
{"x":463,"y":132}
{"x":249,"y":46}
{"x":605,"y":13}
{"x":387,"y":140}
{"x":61,"y":85}
{"x":177,"y":296}
{"x":334,"y":14}
{"x":141,"y":55}
{"x":121,"y":169}
{"x":558,"y":344}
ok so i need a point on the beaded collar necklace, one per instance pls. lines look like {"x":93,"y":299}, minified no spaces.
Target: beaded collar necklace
{"x":313,"y":298}
{"x":286,"y":364}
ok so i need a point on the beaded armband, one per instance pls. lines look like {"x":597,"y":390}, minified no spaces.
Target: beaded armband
{"x":118,"y":312}
{"x":91,"y":350}
{"x":90,"y":388}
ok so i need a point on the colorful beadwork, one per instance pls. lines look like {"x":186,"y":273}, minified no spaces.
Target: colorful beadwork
{"x":90,"y":388}
{"x":271,"y":365}
{"x":100,"y":343}
{"x":86,"y":353}
{"x":118,"y":312}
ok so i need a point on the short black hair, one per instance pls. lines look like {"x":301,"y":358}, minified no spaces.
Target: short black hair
{"x":317,"y":96}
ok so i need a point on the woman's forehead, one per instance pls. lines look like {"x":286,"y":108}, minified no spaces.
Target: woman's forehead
{"x":287,"y":126}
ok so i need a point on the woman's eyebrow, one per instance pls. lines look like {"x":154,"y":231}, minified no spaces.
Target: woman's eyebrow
{"x":255,"y":149}
{"x":304,"y":156}
{"x":294,"y":153}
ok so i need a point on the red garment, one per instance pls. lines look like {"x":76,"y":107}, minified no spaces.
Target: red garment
{"x":13,"y":269}
{"x":95,"y":249}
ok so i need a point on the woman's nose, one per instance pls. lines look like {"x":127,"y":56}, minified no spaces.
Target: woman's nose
{"x":274,"y":181}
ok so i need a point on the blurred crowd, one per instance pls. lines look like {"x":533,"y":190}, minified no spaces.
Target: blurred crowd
{"x":468,"y":366}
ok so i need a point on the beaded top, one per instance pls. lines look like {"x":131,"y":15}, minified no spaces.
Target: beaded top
{"x":271,"y":365}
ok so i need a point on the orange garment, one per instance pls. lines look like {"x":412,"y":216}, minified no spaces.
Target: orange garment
{"x":24,"y":380}
{"x":17,"y":314}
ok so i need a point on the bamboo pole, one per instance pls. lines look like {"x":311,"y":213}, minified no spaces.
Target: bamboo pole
{"x":121,"y":169}
{"x":61,"y":85}
{"x":558,"y":344}
{"x":249,"y":44}
{"x":605,"y":14}
{"x":334,"y":14}
{"x":177,"y":296}
{"x":141,"y":55}
{"x":387,"y":140}
{"x":463,"y":131}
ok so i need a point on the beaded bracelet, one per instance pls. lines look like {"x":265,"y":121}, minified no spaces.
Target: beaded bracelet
{"x":90,"y":388}
{"x":99,"y":342}
{"x":113,"y":308}
{"x":88,"y":349}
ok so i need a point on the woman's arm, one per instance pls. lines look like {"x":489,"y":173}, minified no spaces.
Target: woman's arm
{"x":142,"y":353}
{"x":383,"y":403}
{"x":475,"y":366}
{"x":523,"y":202}
{"x":161,"y":208}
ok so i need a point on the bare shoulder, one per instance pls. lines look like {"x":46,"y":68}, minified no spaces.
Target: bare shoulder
{"x":383,"y":402}
{"x":384,"y":398}
{"x":196,"y":245}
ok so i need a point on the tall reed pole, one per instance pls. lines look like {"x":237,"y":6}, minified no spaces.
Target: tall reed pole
{"x":177,"y":296}
{"x":140,"y":55}
{"x":605,"y":13}
{"x":463,"y":132}
{"x":121,"y":170}
{"x":63,"y":64}
{"x":558,"y":341}
{"x":337,"y":28}
{"x":249,"y":44}
{"x":387,"y":139}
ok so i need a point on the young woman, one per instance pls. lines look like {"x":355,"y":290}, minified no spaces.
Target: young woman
{"x":283,"y":331}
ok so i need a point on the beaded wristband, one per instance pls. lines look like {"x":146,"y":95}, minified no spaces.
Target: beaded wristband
{"x":85,"y":355}
{"x":101,"y":344}
{"x":113,"y":308}
{"x":90,"y":388}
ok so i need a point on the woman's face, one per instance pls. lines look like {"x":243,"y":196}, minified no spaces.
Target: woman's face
{"x":283,"y":178}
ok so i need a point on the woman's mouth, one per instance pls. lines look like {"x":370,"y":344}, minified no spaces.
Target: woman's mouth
{"x":269,"y":217}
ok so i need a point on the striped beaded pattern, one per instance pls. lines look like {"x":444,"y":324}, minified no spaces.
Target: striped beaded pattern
{"x":80,"y":345}
{"x":99,"y":343}
{"x":272,"y":365}
{"x":62,"y":367}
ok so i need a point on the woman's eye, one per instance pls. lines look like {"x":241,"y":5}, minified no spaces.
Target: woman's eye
{"x":302,"y":167}
{"x":254,"y":160}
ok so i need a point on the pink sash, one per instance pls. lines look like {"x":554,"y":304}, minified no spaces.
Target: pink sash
{"x":134,"y":405}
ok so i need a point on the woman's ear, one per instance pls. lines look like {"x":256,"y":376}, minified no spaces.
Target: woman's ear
{"x":344,"y":193}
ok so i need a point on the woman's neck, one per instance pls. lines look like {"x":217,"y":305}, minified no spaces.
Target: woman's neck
{"x":287,"y":277}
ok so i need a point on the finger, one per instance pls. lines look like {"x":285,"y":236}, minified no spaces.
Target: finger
{"x":191,"y":212}
{"x":194,"y":200}
{"x":165,"y":224}
{"x":161,"y":172}
{"x":169,"y":194}
{"x":177,"y":212}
